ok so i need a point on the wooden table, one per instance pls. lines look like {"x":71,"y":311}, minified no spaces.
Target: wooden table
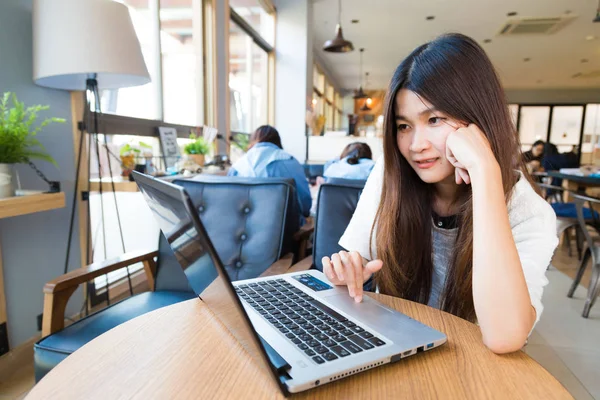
{"x":182,"y":351}
{"x":576,"y":181}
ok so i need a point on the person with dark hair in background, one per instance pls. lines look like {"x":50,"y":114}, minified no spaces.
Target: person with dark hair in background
{"x":447,"y":218}
{"x":533,"y":158}
{"x":536,"y":153}
{"x":267,"y":159}
{"x":355,"y":162}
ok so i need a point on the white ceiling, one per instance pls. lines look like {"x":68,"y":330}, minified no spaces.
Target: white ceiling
{"x":390,"y":29}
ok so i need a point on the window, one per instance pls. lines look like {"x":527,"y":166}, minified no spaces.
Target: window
{"x":566,"y":127}
{"x":251,"y":38}
{"x":533,"y":124}
{"x":181,"y":52}
{"x":139,"y":101}
{"x":254,"y":13}
{"x":170,"y":36}
{"x":248,"y":81}
{"x":591,"y":135}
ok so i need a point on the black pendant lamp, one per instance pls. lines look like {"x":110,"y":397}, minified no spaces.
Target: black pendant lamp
{"x":338,"y":44}
{"x":359,"y":94}
{"x":597,"y":19}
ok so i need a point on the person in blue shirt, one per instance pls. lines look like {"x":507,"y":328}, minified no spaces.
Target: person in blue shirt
{"x":267,"y":159}
{"x":356,"y":162}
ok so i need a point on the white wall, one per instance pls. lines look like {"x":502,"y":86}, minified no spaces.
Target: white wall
{"x":293,"y":68}
{"x":34,"y":245}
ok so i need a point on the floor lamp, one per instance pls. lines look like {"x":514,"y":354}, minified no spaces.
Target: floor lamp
{"x":86,"y":45}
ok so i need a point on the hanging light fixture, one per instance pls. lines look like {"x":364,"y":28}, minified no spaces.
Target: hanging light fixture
{"x":338,"y":44}
{"x":597,"y":19}
{"x":359,"y":94}
{"x":365,"y":106}
{"x":368,"y":101}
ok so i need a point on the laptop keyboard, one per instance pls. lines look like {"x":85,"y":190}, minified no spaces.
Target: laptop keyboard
{"x":317,"y":330}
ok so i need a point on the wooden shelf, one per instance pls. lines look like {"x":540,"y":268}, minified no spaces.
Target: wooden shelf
{"x":31,"y":203}
{"x":121,"y":185}
{"x":125,"y":185}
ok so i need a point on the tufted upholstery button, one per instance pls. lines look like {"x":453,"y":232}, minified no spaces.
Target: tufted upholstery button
{"x":201,"y":208}
{"x":246,"y":210}
{"x":238,"y":264}
{"x":243,"y":236}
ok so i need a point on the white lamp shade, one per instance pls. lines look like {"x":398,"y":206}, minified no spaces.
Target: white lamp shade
{"x":74,"y":39}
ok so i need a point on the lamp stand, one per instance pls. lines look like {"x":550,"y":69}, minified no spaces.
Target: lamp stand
{"x":90,"y":120}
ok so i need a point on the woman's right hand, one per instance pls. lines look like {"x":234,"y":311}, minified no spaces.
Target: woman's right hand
{"x":350,"y":269}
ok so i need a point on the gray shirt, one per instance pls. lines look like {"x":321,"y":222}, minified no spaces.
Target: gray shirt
{"x":443,"y":248}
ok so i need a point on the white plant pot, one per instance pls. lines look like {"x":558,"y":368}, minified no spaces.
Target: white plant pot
{"x":7,"y":189}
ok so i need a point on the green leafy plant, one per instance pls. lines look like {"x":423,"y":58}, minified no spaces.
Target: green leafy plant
{"x":241,"y":141}
{"x":198,"y":146}
{"x":132,"y":148}
{"x":17,"y":132}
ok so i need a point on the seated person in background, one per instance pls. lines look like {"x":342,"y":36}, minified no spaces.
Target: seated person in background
{"x":266,"y":159}
{"x":554,"y":161}
{"x":356,"y":162}
{"x":533,"y":158}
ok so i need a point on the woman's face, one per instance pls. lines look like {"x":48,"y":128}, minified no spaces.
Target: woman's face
{"x":421,"y":133}
{"x":537,"y":150}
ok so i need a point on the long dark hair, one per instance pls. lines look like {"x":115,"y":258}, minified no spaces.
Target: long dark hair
{"x":356,"y":151}
{"x":454,"y":74}
{"x":266,"y":134}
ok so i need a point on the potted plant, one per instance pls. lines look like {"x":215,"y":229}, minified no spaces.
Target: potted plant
{"x":130,"y":153}
{"x":17,"y":138}
{"x":197,"y":149}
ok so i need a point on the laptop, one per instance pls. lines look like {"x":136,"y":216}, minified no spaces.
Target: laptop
{"x":301,"y":329}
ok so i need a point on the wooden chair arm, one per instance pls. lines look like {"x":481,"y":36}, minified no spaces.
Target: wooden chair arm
{"x":58,"y":291}
{"x":81,"y":275}
{"x":302,"y":265}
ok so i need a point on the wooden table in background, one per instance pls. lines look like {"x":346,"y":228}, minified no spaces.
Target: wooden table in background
{"x":576,"y":183}
{"x":184,"y":352}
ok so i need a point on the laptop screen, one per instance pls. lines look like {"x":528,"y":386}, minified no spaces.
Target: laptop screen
{"x":205,"y":273}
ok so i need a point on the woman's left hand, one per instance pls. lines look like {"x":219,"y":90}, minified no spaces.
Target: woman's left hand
{"x":467,"y":148}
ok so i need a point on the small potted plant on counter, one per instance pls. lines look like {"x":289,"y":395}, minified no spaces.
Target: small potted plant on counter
{"x":18,"y":143}
{"x":131,"y":153}
{"x":197,"y":149}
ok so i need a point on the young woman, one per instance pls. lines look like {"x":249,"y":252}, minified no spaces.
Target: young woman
{"x":267,"y":159}
{"x":447,"y":218}
{"x":355,"y":162}
{"x":533,"y":158}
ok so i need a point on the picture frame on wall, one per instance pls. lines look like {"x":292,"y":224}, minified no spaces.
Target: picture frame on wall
{"x":168,"y":143}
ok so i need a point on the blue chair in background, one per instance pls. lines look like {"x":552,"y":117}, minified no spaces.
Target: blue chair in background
{"x":592,"y":250}
{"x":337,"y":201}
